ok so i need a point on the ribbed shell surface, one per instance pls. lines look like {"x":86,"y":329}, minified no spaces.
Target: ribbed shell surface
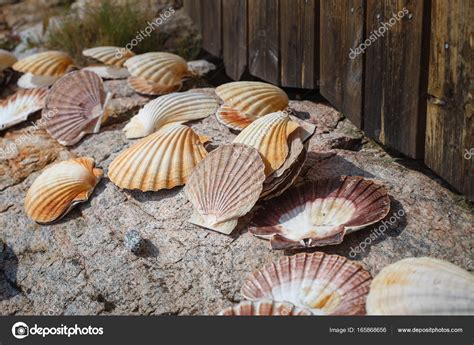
{"x":75,"y":106}
{"x":108,"y":72}
{"x":150,"y":88}
{"x":269,"y":135}
{"x":264,"y":308}
{"x":422,"y":286}
{"x":321,"y":212}
{"x":253,"y":98}
{"x":164,"y":68}
{"x":112,"y":56}
{"x":164,"y":159}
{"x":50,"y":63}
{"x":324,"y":284}
{"x":17,"y":107}
{"x":225,"y":186}
{"x":175,"y":107}
{"x":60,"y":187}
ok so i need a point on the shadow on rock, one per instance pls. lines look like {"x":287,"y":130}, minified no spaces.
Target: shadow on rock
{"x":329,"y":164}
{"x":8,"y":269}
{"x":148,"y":249}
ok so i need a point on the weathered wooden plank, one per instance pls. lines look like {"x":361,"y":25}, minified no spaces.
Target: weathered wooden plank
{"x":193,"y":10}
{"x":264,"y":49}
{"x":342,"y":29}
{"x":211,"y":23}
{"x":449,"y":128}
{"x":299,"y":43}
{"x":395,"y":74}
{"x":234,"y":26}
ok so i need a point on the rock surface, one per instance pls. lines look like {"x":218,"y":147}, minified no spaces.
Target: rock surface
{"x":81,"y":266}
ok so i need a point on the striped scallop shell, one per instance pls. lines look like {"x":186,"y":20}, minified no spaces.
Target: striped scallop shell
{"x":149,"y":88}
{"x":7,"y":59}
{"x":111,"y":56}
{"x":31,"y":81}
{"x":264,"y":308}
{"x":163,"y":68}
{"x":245,"y":101}
{"x":49,"y":64}
{"x":75,"y":106}
{"x":164,"y":159}
{"x":60,"y":187}
{"x":269,"y":135}
{"x":225,"y":186}
{"x":175,"y":107}
{"x":325,"y":284}
{"x":20,"y":105}
{"x":422,"y":286}
{"x":320,"y":213}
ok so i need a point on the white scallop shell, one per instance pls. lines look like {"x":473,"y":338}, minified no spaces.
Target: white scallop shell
{"x":60,"y":187}
{"x":108,"y":72}
{"x":225,"y":186}
{"x":20,"y":105}
{"x":163,"y":68}
{"x":325,"y":284}
{"x":164,"y":159}
{"x":174,"y":107}
{"x":422,"y":286}
{"x":30,"y":81}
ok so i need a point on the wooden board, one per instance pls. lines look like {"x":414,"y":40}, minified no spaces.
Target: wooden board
{"x":211,"y":23}
{"x":299,"y":42}
{"x":342,"y":28}
{"x":264,"y":49}
{"x":234,"y":32}
{"x":449,"y":128}
{"x":396,"y":74}
{"x":193,"y":10}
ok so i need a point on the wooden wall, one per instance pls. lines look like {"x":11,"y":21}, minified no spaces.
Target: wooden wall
{"x":409,"y":89}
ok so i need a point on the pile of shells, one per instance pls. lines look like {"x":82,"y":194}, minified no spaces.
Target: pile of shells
{"x":255,"y":172}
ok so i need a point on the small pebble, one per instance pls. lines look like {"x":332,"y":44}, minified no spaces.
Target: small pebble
{"x":133,"y":241}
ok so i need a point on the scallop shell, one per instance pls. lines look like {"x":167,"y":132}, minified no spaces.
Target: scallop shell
{"x":269,"y":135}
{"x":30,"y":81}
{"x":320,"y":213}
{"x":282,"y":178}
{"x":264,"y":308}
{"x":20,"y":105}
{"x":245,"y":101}
{"x":50,"y":64}
{"x":163,"y":159}
{"x":422,"y":286}
{"x":60,"y":187}
{"x":324,"y":284}
{"x":149,"y":88}
{"x":111,"y":56}
{"x":163,"y":68}
{"x":225,"y":186}
{"x":75,"y":106}
{"x":7,"y":59}
{"x":108,"y":72}
{"x":175,"y":107}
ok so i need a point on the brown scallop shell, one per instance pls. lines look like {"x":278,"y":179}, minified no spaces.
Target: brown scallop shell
{"x":75,"y":106}
{"x":149,"y":88}
{"x":324,"y":284}
{"x":109,"y":55}
{"x":50,"y":63}
{"x":264,"y":308}
{"x":225,"y":186}
{"x":320,"y":213}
